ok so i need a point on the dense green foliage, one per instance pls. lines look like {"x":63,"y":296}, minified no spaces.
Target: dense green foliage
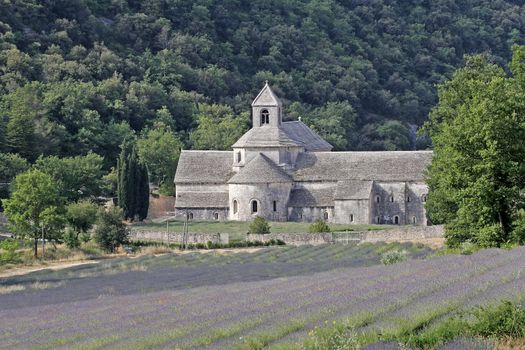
{"x":133,"y":184}
{"x":80,"y":76}
{"x":110,"y":231}
{"x":319,"y":226}
{"x":259,"y":225}
{"x":477,"y":175}
{"x":80,"y":217}
{"x":35,"y":205}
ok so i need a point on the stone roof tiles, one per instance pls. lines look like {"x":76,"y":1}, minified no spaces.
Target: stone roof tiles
{"x":266,"y":97}
{"x":213,"y":167}
{"x":301,"y":133}
{"x":302,"y":197}
{"x":380,"y":166}
{"x":260,"y":169}
{"x":266,"y":136}
{"x":202,"y":200}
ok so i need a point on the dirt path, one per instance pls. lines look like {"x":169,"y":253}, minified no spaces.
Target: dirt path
{"x":57,"y":265}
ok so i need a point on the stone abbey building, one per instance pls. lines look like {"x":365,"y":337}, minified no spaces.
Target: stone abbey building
{"x":284,"y":171}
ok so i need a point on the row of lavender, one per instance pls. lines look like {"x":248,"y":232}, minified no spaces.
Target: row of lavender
{"x":278,"y":310}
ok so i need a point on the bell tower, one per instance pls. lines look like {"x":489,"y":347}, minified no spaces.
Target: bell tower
{"x":266,"y":109}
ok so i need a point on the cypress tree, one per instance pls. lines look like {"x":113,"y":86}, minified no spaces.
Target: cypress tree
{"x":133,"y":184}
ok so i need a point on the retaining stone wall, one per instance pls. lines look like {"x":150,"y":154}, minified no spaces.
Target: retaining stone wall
{"x":174,"y":237}
{"x":294,"y":238}
{"x":404,"y":233}
{"x":401,"y":234}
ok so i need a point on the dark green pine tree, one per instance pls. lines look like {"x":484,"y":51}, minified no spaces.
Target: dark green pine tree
{"x":133,"y":184}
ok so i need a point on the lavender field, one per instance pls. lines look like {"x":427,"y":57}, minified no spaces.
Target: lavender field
{"x":271,"y":298}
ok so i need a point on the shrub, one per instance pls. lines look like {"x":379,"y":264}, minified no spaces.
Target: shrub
{"x":319,"y":226}
{"x":71,"y":238}
{"x":259,"y":226}
{"x":111,"y":232}
{"x":467,"y":248}
{"x":8,"y":252}
{"x":393,"y":257}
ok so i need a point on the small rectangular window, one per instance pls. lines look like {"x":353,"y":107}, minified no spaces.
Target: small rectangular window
{"x":274,"y":205}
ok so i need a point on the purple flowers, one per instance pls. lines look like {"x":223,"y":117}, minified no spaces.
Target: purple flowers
{"x":275,"y":295}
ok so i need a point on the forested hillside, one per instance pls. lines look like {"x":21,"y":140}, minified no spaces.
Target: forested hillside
{"x":82,"y":75}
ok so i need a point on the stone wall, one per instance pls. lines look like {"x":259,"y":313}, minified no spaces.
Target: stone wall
{"x":403,"y":233}
{"x":400,"y":234}
{"x":176,"y":237}
{"x":294,"y":238}
{"x":202,"y":213}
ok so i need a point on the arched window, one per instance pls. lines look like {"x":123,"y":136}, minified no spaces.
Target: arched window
{"x":190,"y":216}
{"x":235,"y":206}
{"x":325,"y":215}
{"x":408,"y":199}
{"x":392,"y":199}
{"x":239,"y":157}
{"x":396,"y":220}
{"x":351,"y":217}
{"x":424,"y":198}
{"x":274,"y":205}
{"x":414,"y":220}
{"x":254,"y":207}
{"x":378,"y":220}
{"x":216,"y":216}
{"x":265,"y":117}
{"x":378,"y":198}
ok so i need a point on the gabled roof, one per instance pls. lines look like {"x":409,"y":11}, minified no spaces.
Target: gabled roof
{"x":266,"y":136}
{"x":202,"y":200}
{"x":300,"y":132}
{"x":353,"y":189}
{"x":302,"y":197}
{"x":380,"y":166}
{"x":266,"y":97}
{"x":260,"y":169}
{"x":211,"y":167}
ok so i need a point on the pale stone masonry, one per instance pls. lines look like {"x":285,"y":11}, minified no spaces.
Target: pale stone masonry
{"x":284,"y":171}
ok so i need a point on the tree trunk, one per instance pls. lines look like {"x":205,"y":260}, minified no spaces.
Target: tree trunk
{"x":36,"y":247}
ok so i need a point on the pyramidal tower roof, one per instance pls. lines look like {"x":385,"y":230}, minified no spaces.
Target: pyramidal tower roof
{"x":260,"y":169}
{"x":266,"y":97}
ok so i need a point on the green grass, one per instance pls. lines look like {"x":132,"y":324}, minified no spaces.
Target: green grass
{"x":237,"y":229}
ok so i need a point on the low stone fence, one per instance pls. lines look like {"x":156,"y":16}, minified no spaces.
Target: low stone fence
{"x":398,"y":234}
{"x":404,"y":233}
{"x":294,"y":238}
{"x":175,"y":237}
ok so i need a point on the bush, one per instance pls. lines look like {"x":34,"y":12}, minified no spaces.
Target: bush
{"x":8,"y":252}
{"x":111,"y":232}
{"x":259,"y":226}
{"x":319,"y":226}
{"x":71,"y":238}
{"x":393,"y":257}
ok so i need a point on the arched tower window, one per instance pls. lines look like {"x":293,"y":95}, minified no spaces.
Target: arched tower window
{"x":265,"y":117}
{"x":378,"y":198}
{"x":392,"y":199}
{"x":424,"y":198}
{"x":235,"y":206}
{"x":239,"y":157}
{"x":255,"y":207}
